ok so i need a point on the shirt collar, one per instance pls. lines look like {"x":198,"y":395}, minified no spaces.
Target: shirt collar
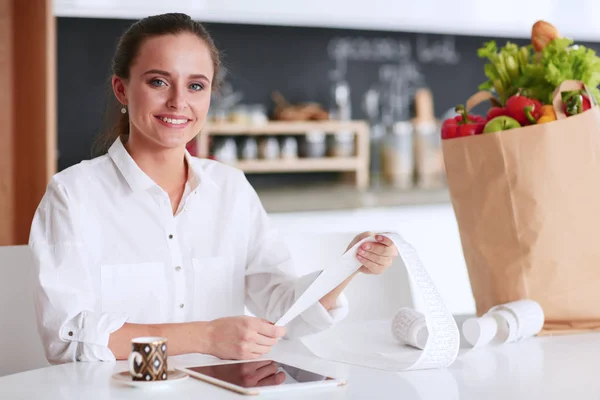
{"x":133,"y":174}
{"x":197,"y":174}
{"x":138,"y":180}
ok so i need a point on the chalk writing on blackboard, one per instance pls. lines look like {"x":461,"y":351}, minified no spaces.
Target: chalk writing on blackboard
{"x":404,"y":72}
{"x":363,"y":49}
{"x":399,"y":63}
{"x":441,"y":50}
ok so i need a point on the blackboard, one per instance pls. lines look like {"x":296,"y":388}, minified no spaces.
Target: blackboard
{"x":296,"y":61}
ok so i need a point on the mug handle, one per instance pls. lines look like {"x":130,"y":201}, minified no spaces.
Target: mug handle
{"x":134,"y":357}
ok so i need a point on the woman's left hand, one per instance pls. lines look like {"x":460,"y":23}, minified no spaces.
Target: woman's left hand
{"x":375,"y":256}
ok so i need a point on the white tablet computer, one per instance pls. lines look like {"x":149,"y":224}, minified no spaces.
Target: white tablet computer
{"x":261,"y":376}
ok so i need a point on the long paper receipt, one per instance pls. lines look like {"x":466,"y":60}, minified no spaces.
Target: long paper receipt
{"x":442,"y":346}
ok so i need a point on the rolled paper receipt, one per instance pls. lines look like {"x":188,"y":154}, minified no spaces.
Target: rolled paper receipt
{"x":409,"y":326}
{"x":435,"y":333}
{"x":480,"y":331}
{"x":529,"y":315}
{"x":440,"y":345}
{"x":504,"y":323}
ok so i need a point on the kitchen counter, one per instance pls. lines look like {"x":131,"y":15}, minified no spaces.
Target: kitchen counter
{"x":324,"y":198}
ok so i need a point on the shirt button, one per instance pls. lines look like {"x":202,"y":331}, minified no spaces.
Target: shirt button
{"x":70,"y":333}
{"x":170,"y":236}
{"x":178,"y":268}
{"x":181,"y":305}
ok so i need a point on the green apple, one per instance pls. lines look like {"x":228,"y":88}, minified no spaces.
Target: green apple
{"x":501,"y":123}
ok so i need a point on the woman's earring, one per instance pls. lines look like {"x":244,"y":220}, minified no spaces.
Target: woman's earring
{"x":123,"y":110}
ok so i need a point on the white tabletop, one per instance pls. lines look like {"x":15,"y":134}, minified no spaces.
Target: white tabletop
{"x":562,"y":367}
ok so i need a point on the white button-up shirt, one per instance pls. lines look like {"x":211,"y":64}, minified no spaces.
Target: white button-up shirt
{"x":109,"y":250}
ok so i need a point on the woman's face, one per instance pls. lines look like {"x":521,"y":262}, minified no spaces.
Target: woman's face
{"x":168,"y":90}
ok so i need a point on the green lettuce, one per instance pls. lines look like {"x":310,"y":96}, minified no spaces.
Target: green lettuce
{"x":538,"y":74}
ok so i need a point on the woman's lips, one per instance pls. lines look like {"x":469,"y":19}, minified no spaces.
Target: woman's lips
{"x":173,"y":122}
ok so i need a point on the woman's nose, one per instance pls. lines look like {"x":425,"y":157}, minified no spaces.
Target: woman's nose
{"x":177,"y":100}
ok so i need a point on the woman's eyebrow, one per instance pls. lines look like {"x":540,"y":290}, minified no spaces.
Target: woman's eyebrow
{"x":167,"y":74}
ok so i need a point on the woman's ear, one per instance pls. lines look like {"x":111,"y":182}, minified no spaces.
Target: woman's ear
{"x":119,"y":89}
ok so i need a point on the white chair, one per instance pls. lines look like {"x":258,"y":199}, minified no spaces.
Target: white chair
{"x":20,"y":344}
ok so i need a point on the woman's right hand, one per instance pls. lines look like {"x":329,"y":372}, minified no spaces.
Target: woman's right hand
{"x":242,"y":338}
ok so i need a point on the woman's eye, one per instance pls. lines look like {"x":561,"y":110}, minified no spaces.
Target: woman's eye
{"x":157,"y":82}
{"x":196,"y":87}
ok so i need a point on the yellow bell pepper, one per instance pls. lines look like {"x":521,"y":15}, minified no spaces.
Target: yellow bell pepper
{"x":548,"y":114}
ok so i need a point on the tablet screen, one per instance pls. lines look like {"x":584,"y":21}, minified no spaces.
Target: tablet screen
{"x":259,"y":373}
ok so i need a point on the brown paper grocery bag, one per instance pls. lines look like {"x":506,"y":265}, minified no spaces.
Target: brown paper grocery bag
{"x":527,"y":203}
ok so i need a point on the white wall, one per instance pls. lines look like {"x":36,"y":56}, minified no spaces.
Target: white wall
{"x":509,"y":18}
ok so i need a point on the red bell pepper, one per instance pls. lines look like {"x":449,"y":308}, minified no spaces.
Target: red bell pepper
{"x":462,"y":125}
{"x":449,"y":127}
{"x":496,"y":112}
{"x":525,"y":110}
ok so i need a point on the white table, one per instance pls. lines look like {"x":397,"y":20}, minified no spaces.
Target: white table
{"x":562,"y":367}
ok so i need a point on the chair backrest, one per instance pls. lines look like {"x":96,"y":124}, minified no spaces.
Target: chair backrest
{"x":20,"y":344}
{"x":369,"y":296}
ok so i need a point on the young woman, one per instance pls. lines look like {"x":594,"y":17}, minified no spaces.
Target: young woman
{"x":148,"y":241}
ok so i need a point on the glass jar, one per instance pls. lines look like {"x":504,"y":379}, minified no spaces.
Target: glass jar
{"x":398,"y":155}
{"x":289,"y":148}
{"x":268,"y":148}
{"x":429,"y":155}
{"x":239,"y":114}
{"x":314,"y":144}
{"x":249,"y":148}
{"x":225,"y":150}
{"x":257,"y":114}
{"x":342,"y":145}
{"x":375,"y":148}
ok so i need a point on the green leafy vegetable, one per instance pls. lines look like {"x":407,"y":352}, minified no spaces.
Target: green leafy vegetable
{"x":563,"y":61}
{"x":538,"y":73}
{"x":505,"y":68}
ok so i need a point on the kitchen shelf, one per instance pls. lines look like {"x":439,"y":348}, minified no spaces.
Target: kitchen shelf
{"x":299,"y":165}
{"x":284,"y":127}
{"x":358,"y":165}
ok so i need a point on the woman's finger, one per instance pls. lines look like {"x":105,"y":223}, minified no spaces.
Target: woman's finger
{"x":252,"y":367}
{"x":266,"y":371}
{"x":266,"y":328}
{"x":272,"y":380}
{"x":384,"y":240}
{"x":379,"y":249}
{"x":259,"y":349}
{"x":265,"y":340}
{"x":371,"y":267}
{"x":372,"y":257}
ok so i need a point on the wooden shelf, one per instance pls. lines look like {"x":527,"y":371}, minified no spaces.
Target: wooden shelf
{"x":357,"y":166}
{"x":299,"y":165}
{"x":284,"y":127}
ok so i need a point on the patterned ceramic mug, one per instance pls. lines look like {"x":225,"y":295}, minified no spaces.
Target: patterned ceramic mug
{"x":148,"y":359}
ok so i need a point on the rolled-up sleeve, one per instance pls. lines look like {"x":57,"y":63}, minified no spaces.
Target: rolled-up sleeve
{"x":70,"y":324}
{"x":272,"y":282}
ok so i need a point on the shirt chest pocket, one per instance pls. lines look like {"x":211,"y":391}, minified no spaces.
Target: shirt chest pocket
{"x":139,"y":290}
{"x":214,"y":286}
